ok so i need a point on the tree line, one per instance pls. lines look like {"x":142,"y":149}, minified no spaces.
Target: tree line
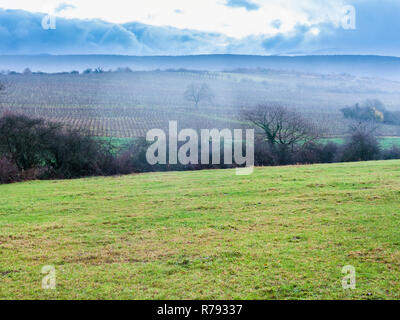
{"x":373,"y":111}
{"x":33,"y":148}
{"x":286,"y":137}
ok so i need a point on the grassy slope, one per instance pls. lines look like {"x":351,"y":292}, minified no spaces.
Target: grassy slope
{"x":280,"y":233}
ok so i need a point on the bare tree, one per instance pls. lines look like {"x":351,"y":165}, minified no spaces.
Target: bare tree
{"x":197,"y":93}
{"x":362,"y":144}
{"x":363,"y":128}
{"x":282,"y":126}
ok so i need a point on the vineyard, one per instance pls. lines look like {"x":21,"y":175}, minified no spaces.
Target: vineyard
{"x":128,"y":104}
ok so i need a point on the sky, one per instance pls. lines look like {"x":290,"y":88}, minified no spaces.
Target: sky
{"x":234,"y":18}
{"x":173,"y":27}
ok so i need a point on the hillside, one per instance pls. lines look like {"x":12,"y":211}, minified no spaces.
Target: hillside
{"x":283,"y":232}
{"x":128,"y":104}
{"x":358,"y":65}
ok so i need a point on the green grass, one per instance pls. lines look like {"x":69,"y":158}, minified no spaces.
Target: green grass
{"x":116,"y":143}
{"x":386,"y":142}
{"x":281,"y":233}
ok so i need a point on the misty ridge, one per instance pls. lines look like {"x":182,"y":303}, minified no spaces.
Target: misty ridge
{"x":357,"y":65}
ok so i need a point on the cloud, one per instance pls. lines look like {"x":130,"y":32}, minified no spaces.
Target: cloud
{"x":376,"y":31}
{"x":242,"y":4}
{"x":173,"y":41}
{"x":64,"y":6}
{"x":22,"y":33}
{"x":239,"y":19}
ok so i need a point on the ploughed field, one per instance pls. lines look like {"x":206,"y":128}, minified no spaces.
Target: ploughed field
{"x":280,"y":233}
{"x":117,"y":104}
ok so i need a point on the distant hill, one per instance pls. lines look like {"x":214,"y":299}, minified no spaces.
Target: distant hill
{"x":369,"y":66}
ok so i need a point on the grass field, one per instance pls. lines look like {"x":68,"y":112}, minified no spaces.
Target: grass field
{"x":385,"y":142}
{"x":281,"y":233}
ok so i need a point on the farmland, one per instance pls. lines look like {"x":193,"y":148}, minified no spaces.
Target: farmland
{"x":281,"y":233}
{"x":118,"y":104}
{"x":385,"y":142}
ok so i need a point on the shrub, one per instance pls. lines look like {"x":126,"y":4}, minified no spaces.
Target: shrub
{"x":47,"y":150}
{"x":392,"y":153}
{"x":329,"y":152}
{"x":75,"y":154}
{"x":360,"y":146}
{"x":309,"y":153}
{"x":26,"y":140}
{"x":133,"y":158}
{"x":8,"y":171}
{"x":315,"y":153}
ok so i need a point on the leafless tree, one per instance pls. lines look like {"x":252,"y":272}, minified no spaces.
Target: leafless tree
{"x":363,"y":128}
{"x":197,"y":93}
{"x":282,"y":127}
{"x":361,"y":144}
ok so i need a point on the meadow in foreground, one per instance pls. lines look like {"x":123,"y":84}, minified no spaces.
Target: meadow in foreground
{"x":281,"y":233}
